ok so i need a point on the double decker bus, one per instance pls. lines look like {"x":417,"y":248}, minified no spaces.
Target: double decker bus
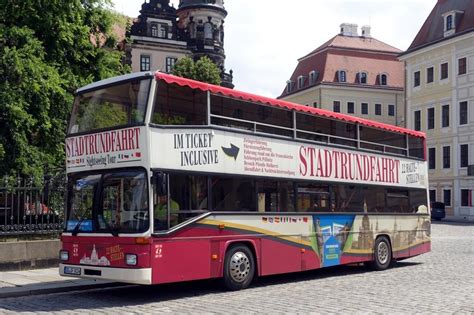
{"x":171,"y":180}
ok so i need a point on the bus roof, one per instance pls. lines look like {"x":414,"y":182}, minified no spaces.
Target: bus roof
{"x":282,"y":104}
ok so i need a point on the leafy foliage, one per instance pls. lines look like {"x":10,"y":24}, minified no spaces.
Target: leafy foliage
{"x":48,"y":48}
{"x":203,"y":70}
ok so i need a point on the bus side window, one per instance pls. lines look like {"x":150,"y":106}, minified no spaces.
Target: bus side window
{"x":233,"y":194}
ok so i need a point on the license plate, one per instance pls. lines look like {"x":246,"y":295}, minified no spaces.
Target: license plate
{"x":72,"y":271}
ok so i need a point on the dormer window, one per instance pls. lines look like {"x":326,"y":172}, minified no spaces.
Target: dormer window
{"x":313,"y":76}
{"x":154,"y":30}
{"x":159,"y":30}
{"x":362,"y":77}
{"x":341,"y":76}
{"x":288,"y":86}
{"x":383,"y":79}
{"x":451,"y":18}
{"x":300,"y":82}
{"x":449,"y":23}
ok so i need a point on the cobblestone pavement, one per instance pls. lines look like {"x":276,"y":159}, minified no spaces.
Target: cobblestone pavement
{"x":439,"y":282}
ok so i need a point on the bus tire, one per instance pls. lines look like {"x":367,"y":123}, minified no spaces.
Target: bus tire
{"x":239,"y":267}
{"x":382,"y":254}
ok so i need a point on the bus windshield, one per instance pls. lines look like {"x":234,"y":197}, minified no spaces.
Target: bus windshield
{"x":118,"y":105}
{"x":112,"y":202}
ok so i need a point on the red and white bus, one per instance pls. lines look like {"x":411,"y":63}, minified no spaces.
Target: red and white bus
{"x":171,"y":179}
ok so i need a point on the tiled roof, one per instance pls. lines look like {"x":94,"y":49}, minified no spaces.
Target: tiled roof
{"x":357,"y":42}
{"x":353,"y":55}
{"x":433,"y":29}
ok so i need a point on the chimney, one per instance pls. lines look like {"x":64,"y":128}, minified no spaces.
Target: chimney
{"x":348,"y":29}
{"x":366,"y":31}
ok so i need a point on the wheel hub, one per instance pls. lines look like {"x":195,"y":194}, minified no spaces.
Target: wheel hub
{"x":239,"y":267}
{"x":382,"y":253}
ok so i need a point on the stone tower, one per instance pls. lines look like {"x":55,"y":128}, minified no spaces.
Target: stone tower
{"x":202,"y":25}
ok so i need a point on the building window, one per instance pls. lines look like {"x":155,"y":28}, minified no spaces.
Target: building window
{"x":208,"y":30}
{"x":163,"y":30}
{"x":313,"y":76}
{"x":170,"y":62}
{"x":364,"y":108}
{"x":447,"y":157}
{"x":431,"y":118}
{"x":154,"y":30}
{"x":430,"y":75}
{"x":462,"y":66}
{"x":464,"y":155}
{"x":315,"y":105}
{"x":449,"y":22}
{"x":447,"y":197}
{"x":300,"y":82}
{"x":391,"y":110}
{"x":337,"y":106}
{"x":383,"y":79}
{"x":445,"y":116}
{"x":145,"y":63}
{"x":444,"y":71}
{"x":288,"y":86}
{"x":378,"y":109}
{"x":431,"y":158}
{"x":350,"y":108}
{"x":417,"y":120}
{"x":416,"y":79}
{"x":362,"y":77}
{"x":432,"y":195}
{"x":342,"y":76}
{"x":463,"y":113}
{"x":466,"y":199}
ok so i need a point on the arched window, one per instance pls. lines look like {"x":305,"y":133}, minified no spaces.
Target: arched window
{"x":154,"y":30}
{"x":313,"y":76}
{"x":300,"y":82}
{"x":341,"y":77}
{"x":192,"y":30}
{"x":362,"y":77}
{"x":383,"y":79}
{"x":208,"y":30}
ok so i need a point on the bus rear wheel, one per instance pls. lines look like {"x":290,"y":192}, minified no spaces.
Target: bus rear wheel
{"x":239,"y":268}
{"x":382,"y":254}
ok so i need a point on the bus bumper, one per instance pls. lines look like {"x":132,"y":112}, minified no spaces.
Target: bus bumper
{"x":135,"y":276}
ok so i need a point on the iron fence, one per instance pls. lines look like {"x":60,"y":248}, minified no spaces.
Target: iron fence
{"x":29,"y":207}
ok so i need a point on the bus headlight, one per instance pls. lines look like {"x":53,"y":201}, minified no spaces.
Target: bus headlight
{"x":64,"y":255}
{"x":131,"y":259}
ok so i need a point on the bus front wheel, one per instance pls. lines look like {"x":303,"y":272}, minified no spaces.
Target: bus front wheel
{"x":239,"y":267}
{"x":382,"y":253}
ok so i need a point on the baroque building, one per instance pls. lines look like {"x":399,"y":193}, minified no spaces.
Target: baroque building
{"x":163,"y":34}
{"x":354,"y":74}
{"x":440,"y":101}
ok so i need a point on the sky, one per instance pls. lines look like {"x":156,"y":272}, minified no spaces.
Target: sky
{"x":265,"y":38}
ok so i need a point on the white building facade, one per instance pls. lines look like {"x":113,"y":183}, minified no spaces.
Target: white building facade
{"x":440,"y":101}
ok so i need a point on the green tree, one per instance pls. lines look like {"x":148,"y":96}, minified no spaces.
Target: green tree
{"x":48,"y":48}
{"x":203,"y":70}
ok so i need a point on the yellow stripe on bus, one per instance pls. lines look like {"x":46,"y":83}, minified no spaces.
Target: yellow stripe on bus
{"x":254,"y":229}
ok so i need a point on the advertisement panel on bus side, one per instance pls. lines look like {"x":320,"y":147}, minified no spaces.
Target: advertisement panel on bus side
{"x":109,"y":149}
{"x":217,"y":151}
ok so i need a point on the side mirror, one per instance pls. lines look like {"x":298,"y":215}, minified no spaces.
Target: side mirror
{"x":161,"y":183}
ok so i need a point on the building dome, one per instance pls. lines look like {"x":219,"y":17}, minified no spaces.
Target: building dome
{"x":194,"y":4}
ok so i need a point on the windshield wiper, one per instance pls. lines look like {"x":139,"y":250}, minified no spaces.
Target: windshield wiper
{"x":112,"y":231}
{"x":75,"y":231}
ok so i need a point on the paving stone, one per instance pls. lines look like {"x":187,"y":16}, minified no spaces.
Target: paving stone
{"x":436,"y":283}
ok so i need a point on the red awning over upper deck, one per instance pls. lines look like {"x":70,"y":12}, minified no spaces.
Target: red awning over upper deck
{"x":283,"y":104}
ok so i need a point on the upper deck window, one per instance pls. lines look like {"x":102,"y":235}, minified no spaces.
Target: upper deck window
{"x":115,"y":106}
{"x":176,"y":105}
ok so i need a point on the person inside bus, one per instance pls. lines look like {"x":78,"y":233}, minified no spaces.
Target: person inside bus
{"x":161,"y":213}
